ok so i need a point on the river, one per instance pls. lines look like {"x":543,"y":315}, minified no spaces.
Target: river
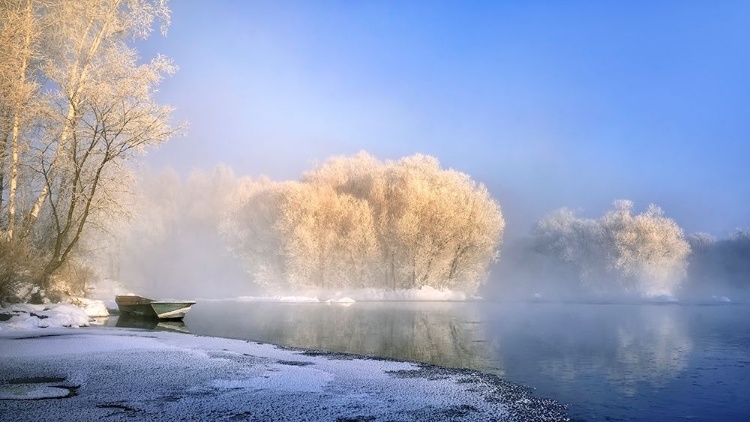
{"x":606,"y":361}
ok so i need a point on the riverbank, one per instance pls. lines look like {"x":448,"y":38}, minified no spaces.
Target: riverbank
{"x":100,"y":373}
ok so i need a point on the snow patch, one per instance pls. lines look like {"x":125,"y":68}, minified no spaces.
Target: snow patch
{"x":93,"y":308}
{"x":298,"y":299}
{"x":342,"y":301}
{"x":28,"y":317}
{"x":282,"y":378}
{"x":664,"y":299}
{"x":31,"y":392}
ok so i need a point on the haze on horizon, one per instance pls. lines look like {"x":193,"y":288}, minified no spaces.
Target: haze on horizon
{"x":549,"y":105}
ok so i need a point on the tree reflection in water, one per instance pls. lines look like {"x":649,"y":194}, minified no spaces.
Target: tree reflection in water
{"x":606,"y":360}
{"x":626,"y":346}
{"x":443,"y":333}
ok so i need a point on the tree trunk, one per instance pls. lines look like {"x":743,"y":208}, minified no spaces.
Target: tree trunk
{"x":17,"y":125}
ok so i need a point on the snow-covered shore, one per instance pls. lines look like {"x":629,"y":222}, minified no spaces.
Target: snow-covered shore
{"x":101,"y":372}
{"x":24,"y":316}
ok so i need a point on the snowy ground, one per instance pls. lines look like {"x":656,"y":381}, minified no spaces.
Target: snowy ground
{"x":102,"y":373}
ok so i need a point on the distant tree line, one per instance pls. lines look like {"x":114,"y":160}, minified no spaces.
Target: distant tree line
{"x":622,"y":254}
{"x":357,"y":222}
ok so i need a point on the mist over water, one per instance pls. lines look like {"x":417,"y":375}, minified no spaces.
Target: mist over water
{"x":171,"y":248}
{"x":188,"y":237}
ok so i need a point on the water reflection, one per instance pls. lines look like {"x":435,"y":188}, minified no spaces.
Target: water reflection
{"x":651,"y":348}
{"x":632,"y":362}
{"x":449,"y":334}
{"x":148,"y":324}
{"x":628,"y":346}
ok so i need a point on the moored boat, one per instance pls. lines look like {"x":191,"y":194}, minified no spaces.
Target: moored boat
{"x":142,"y":307}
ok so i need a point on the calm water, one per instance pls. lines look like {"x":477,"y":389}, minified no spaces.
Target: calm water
{"x":609,"y":362}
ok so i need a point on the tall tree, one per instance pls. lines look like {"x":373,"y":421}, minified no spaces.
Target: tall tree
{"x":96,"y":113}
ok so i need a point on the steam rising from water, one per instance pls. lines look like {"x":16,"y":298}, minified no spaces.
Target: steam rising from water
{"x":172,"y":247}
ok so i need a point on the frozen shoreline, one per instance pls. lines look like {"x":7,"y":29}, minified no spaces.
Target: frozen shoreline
{"x":147,"y":375}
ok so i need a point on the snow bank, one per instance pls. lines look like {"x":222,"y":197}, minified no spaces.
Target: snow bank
{"x":425,"y":293}
{"x":342,"y":301}
{"x":28,"y":317}
{"x":93,"y":308}
{"x":111,"y":306}
{"x":298,"y":299}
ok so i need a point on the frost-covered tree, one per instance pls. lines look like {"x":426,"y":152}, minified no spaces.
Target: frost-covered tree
{"x":644,"y":254}
{"x":329,"y":237}
{"x":650,"y":250}
{"x":358,"y":222}
{"x":82,"y":108}
{"x":249,"y":226}
{"x":578,"y":244}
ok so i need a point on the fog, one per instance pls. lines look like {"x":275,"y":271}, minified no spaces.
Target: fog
{"x":215,"y":234}
{"x":170,"y":246}
{"x":571,"y":258}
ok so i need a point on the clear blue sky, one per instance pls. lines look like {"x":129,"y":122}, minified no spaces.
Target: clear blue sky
{"x":548,"y":103}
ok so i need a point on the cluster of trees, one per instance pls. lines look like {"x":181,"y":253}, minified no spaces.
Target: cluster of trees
{"x":75,"y":107}
{"x":357,"y":222}
{"x":644,"y":254}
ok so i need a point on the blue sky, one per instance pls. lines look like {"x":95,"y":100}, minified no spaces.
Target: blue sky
{"x":548,"y":103}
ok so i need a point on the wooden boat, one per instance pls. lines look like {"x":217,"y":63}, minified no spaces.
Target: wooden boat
{"x":142,"y":307}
